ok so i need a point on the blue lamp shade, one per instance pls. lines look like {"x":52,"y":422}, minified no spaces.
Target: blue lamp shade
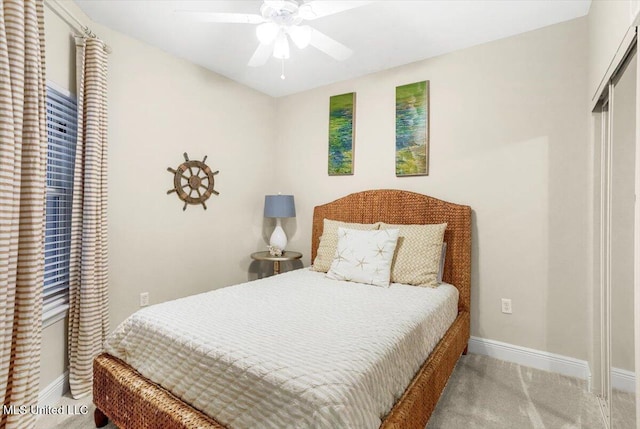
{"x":279,"y":206}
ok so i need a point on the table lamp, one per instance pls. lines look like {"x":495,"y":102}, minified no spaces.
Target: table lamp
{"x":279,"y":206}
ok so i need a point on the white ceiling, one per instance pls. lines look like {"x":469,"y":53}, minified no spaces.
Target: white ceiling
{"x":382,"y":34}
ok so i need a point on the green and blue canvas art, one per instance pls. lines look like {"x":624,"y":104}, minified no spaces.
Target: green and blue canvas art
{"x":341,"y":133}
{"x":412,"y":129}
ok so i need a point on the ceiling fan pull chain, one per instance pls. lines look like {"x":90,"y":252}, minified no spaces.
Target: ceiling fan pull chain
{"x":282,"y":75}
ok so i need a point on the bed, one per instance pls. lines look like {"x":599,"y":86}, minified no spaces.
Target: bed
{"x":131,"y":400}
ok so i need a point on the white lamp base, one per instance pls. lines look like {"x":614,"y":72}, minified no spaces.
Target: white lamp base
{"x":278,"y":237}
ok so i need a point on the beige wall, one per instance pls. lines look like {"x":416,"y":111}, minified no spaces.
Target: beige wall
{"x":609,"y":21}
{"x":160,"y":107}
{"x":509,"y":138}
{"x":53,"y":361}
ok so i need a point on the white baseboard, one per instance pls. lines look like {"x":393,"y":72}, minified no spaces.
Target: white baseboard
{"x":51,"y":394}
{"x":624,"y":380}
{"x":532,"y":358}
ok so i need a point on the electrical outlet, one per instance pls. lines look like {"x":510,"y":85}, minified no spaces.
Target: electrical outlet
{"x":506,"y":306}
{"x":144,"y":299}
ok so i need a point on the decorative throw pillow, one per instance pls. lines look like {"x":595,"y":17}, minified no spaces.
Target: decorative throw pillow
{"x":329,"y":241}
{"x":364,"y":256}
{"x":417,"y":258}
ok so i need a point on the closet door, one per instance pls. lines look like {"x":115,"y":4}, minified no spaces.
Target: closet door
{"x":622,"y":107}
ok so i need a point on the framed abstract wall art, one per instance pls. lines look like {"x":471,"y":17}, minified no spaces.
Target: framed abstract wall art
{"x":342,"y":110}
{"x":412,"y":129}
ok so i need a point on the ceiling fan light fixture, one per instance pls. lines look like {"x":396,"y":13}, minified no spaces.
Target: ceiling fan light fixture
{"x":275,"y":4}
{"x":281,"y":48}
{"x":300,"y":35}
{"x":280,"y":20}
{"x":306,"y":11}
{"x":267,"y":32}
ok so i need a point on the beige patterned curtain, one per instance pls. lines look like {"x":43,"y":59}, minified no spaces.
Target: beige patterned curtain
{"x":88,"y":299}
{"x":23,"y":163}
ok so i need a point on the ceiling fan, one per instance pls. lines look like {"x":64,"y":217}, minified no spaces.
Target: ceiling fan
{"x":281,"y":20}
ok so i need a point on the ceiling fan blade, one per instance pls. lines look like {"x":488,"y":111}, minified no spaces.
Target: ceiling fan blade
{"x":232,"y":18}
{"x":261,"y":55}
{"x":300,"y":35}
{"x":329,"y":46}
{"x":314,"y":9}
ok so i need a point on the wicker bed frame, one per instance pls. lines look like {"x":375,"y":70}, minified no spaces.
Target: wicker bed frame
{"x":133,"y":402}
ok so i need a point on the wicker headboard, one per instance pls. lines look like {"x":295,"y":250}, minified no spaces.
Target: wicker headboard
{"x":403,"y":207}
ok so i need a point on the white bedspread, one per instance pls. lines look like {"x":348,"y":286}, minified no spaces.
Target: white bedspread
{"x":295,"y":350}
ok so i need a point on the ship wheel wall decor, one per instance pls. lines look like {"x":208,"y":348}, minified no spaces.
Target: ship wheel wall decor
{"x":193,"y":182}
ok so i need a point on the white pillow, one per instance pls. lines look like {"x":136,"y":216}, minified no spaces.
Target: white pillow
{"x":329,"y":241}
{"x":364,"y":256}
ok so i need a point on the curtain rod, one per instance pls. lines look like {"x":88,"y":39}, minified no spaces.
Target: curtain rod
{"x":74,"y":22}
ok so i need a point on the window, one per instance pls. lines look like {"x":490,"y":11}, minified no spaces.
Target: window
{"x":61,"y":149}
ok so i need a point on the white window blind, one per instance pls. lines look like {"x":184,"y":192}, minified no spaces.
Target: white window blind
{"x":61,"y":138}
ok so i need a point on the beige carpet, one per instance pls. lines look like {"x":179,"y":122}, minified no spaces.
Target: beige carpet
{"x":482,"y":393}
{"x":488,"y":393}
{"x":623,"y":409}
